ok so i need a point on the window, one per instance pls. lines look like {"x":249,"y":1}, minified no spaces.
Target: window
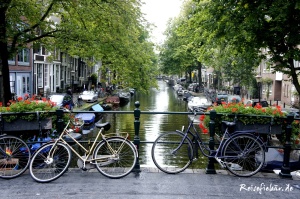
{"x":46,"y":75}
{"x":56,"y":54}
{"x":23,"y":57}
{"x":57,"y":75}
{"x":40,"y":75}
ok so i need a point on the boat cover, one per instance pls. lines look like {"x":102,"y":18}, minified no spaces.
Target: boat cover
{"x":274,"y":160}
{"x":97,"y":108}
{"x":88,"y":118}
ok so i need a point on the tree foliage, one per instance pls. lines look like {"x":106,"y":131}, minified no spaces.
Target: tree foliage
{"x":229,"y":35}
{"x":112,"y":31}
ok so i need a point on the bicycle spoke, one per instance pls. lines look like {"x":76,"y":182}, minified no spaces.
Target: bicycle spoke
{"x":243,"y":155}
{"x":115,"y":157}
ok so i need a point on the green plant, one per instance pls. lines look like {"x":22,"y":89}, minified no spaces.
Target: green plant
{"x":27,"y":105}
{"x":250,"y":115}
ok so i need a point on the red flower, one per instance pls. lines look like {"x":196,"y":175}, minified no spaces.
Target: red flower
{"x":20,"y":98}
{"x":202,"y":117}
{"x":234,"y":109}
{"x":205,"y":131}
{"x":201,"y":126}
{"x":258,"y":106}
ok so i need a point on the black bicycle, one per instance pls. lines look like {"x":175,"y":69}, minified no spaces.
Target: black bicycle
{"x":14,"y":156}
{"x":241,"y":152}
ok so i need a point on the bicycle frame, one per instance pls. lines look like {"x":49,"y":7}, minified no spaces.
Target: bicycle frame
{"x":216,"y":154}
{"x":88,"y":153}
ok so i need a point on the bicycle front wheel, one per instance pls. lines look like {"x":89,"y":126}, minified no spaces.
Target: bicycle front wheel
{"x":244,"y":155}
{"x":169,"y":156}
{"x":14,"y":157}
{"x":115,"y":157}
{"x":49,"y":162}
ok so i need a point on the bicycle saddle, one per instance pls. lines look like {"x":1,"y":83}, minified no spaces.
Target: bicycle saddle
{"x":105,"y":125}
{"x":228,"y":123}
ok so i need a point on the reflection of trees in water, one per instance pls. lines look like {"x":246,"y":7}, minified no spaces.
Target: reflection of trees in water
{"x":150,"y":127}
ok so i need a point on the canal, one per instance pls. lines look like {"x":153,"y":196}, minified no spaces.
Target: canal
{"x":163,"y":99}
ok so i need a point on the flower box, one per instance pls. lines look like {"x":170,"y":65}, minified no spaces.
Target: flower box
{"x":25,"y":125}
{"x":259,"y":128}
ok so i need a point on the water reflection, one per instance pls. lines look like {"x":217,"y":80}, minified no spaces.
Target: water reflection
{"x":163,"y":99}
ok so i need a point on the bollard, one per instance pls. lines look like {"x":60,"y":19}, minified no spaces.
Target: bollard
{"x":136,"y":141}
{"x":285,"y":169}
{"x":211,"y":166}
{"x":60,"y":121}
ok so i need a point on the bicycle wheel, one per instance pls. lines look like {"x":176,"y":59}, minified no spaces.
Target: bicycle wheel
{"x":244,"y":155}
{"x":14,"y":156}
{"x":115,"y":165}
{"x":46,"y":167}
{"x":168,"y":157}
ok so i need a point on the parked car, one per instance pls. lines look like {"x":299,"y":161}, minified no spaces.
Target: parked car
{"x":89,"y":96}
{"x":253,"y":103}
{"x":220,"y":98}
{"x":233,"y":99}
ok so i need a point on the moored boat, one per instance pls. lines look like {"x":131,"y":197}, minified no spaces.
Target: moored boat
{"x":89,"y":121}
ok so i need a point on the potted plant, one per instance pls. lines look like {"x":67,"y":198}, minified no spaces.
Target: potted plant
{"x":20,"y":122}
{"x":252,"y":118}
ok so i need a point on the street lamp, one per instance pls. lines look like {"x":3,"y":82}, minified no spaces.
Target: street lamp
{"x":258,"y":80}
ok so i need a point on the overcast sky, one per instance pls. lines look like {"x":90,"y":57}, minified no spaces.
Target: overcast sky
{"x":158,"y":12}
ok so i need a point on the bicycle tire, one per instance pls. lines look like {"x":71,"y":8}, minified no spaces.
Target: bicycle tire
{"x":115,"y":167}
{"x":41,"y":171}
{"x":14,"y":157}
{"x":163,"y":154}
{"x":247,"y":155}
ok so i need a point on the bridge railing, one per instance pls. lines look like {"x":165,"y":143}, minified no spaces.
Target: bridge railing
{"x":210,"y":169}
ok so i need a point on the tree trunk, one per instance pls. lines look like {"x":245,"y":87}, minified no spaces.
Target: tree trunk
{"x":5,"y":93}
{"x":199,"y":65}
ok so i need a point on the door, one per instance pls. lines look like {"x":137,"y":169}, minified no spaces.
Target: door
{"x":23,"y":84}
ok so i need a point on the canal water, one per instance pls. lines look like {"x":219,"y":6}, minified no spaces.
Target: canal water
{"x":163,"y":99}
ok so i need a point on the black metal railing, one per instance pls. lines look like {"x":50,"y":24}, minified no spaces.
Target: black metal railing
{"x":210,"y":169}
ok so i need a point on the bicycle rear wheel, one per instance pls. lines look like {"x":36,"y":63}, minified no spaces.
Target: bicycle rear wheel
{"x":14,"y":156}
{"x":168,"y":156}
{"x":46,"y":167}
{"x":115,"y":165}
{"x":244,"y":155}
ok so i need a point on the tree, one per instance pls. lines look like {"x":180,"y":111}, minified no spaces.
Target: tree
{"x":253,"y":25}
{"x":110,"y":30}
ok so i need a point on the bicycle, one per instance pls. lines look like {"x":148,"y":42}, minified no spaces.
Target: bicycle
{"x":240,"y":152}
{"x":14,"y":156}
{"x":114,"y":156}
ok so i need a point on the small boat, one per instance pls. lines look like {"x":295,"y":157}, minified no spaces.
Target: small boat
{"x":114,"y":100}
{"x":98,"y":109}
{"x":89,"y":121}
{"x":106,"y":107}
{"x":198,"y":103}
{"x":131,"y":91}
{"x":274,"y":160}
{"x":124,"y":97}
{"x":187,"y":96}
